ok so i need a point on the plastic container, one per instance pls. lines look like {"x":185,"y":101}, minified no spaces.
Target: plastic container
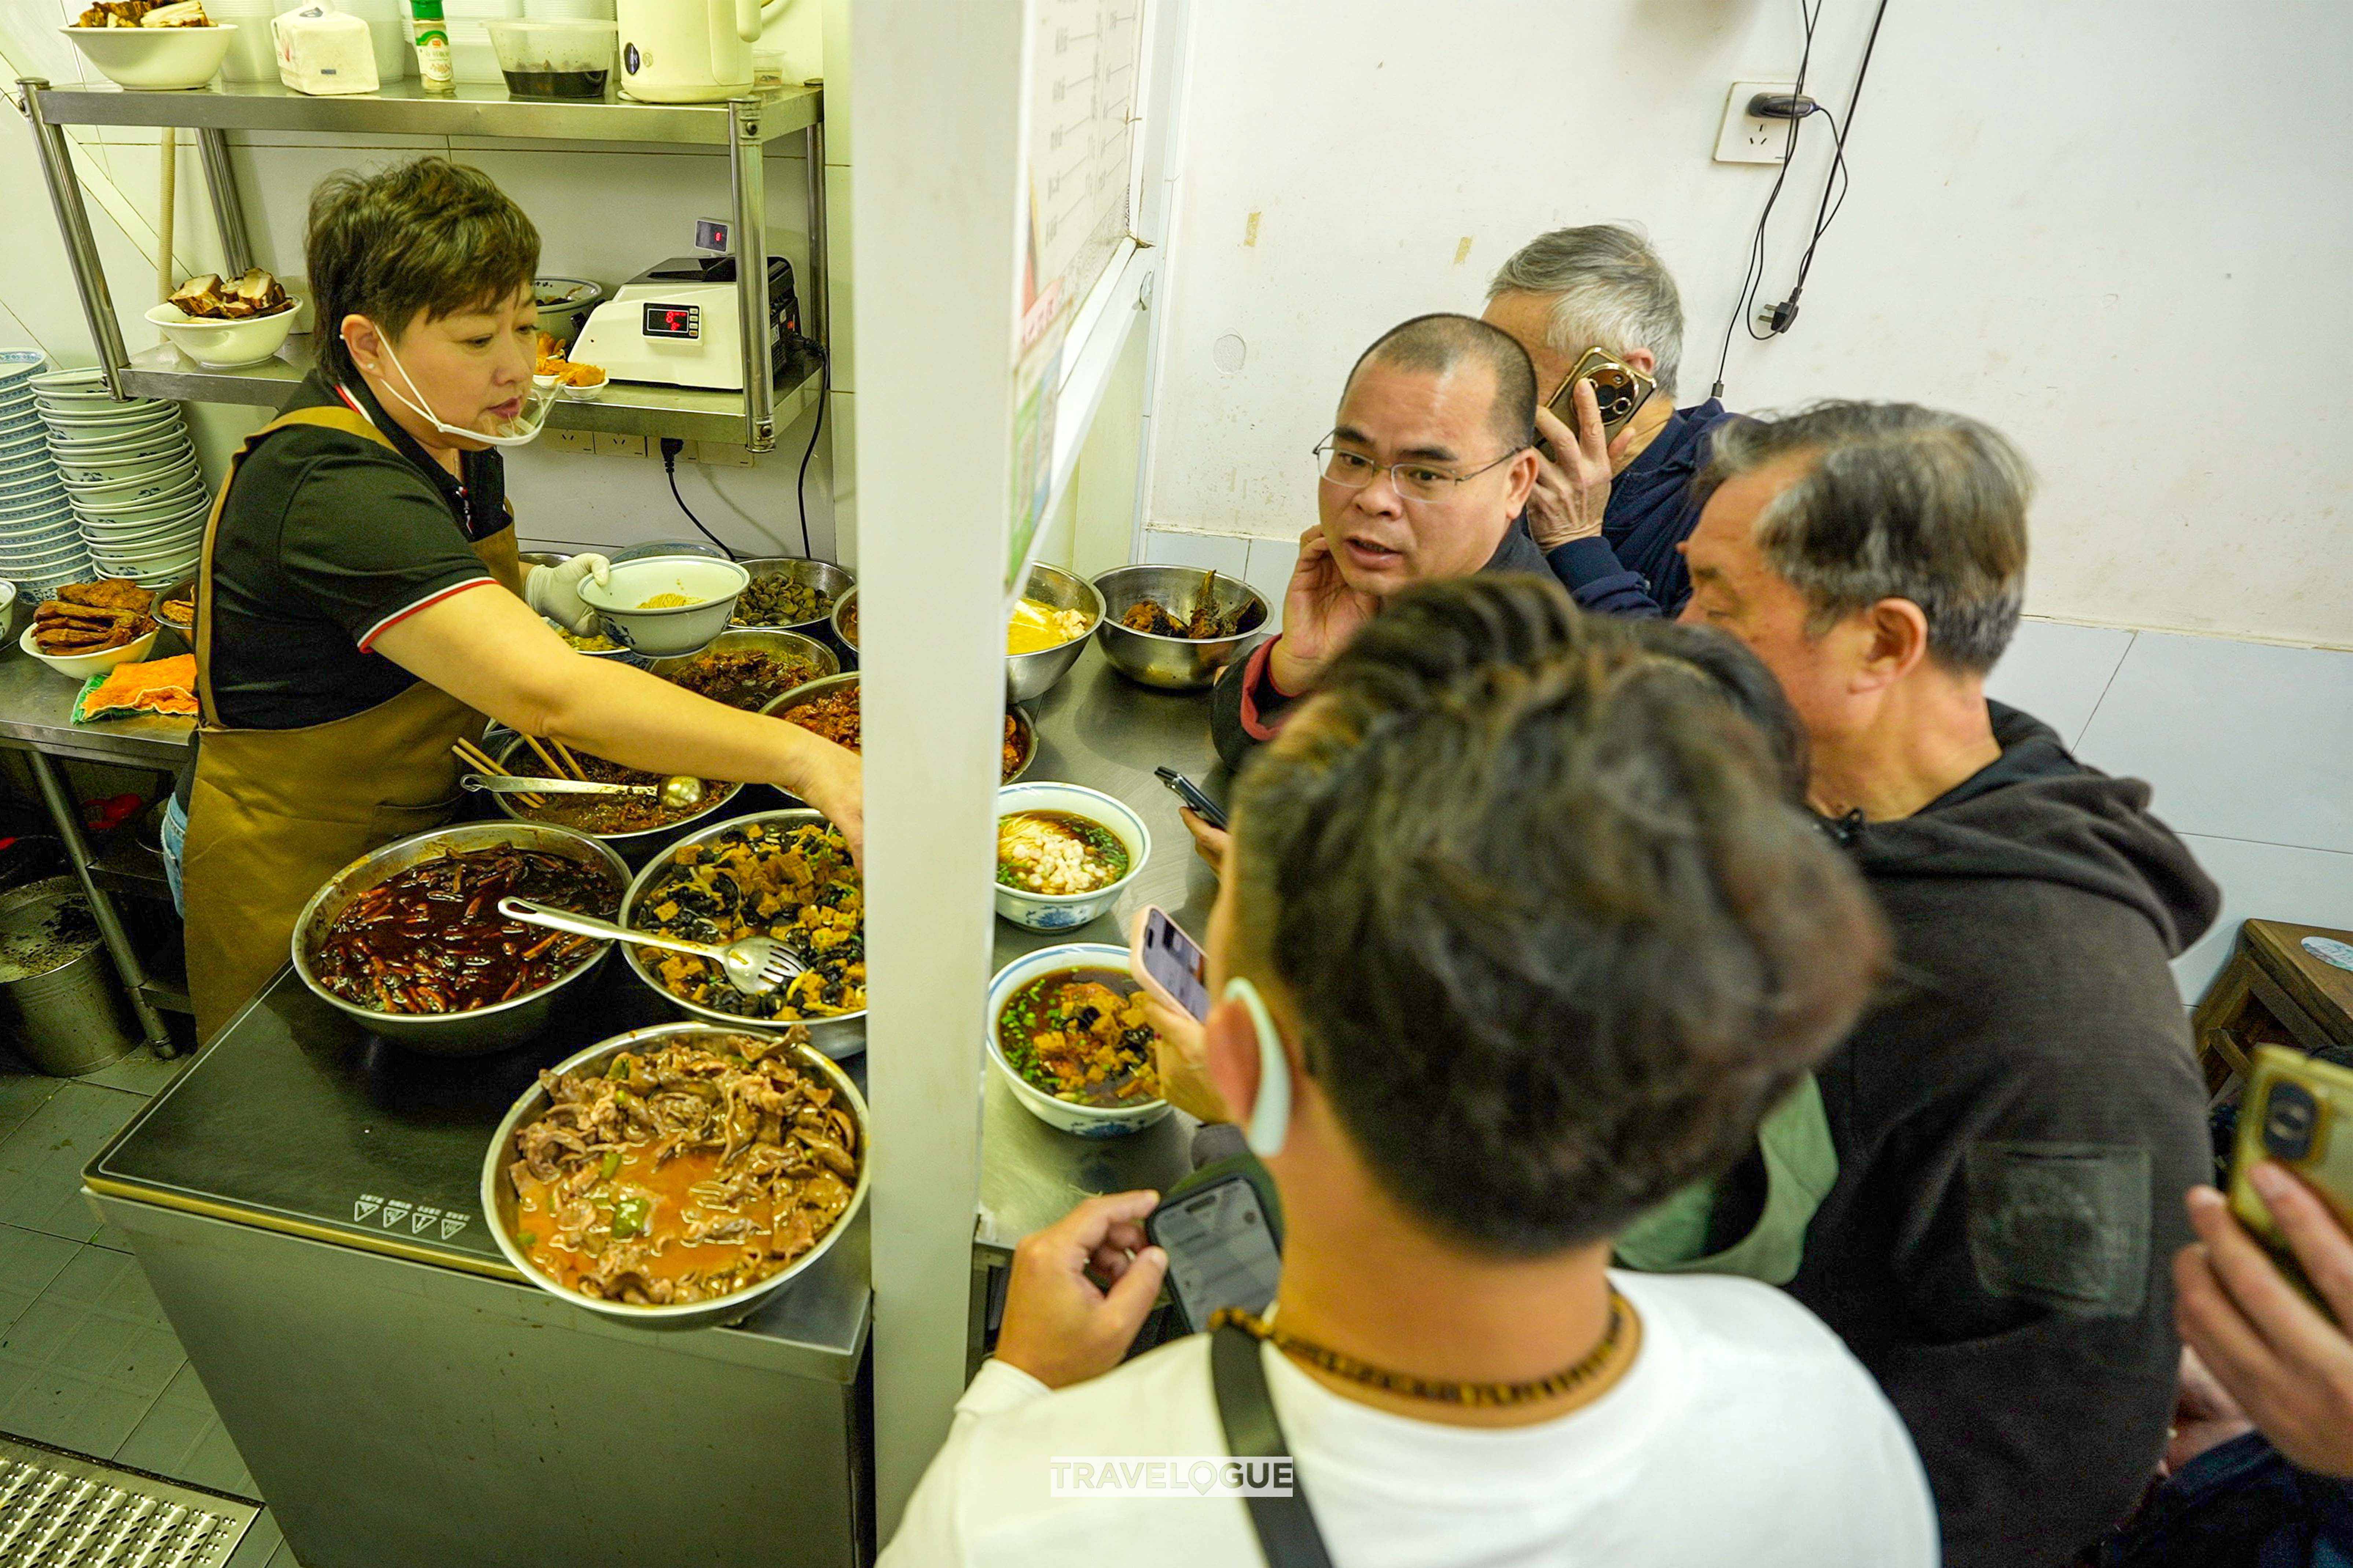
{"x":555,"y":58}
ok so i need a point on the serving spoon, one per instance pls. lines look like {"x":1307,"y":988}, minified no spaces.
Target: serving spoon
{"x":753,"y":966}
{"x":679,"y":792}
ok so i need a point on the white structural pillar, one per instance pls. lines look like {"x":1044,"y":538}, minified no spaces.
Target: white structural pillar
{"x":934,"y":120}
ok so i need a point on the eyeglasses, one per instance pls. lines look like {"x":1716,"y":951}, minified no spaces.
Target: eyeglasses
{"x":1413,"y":481}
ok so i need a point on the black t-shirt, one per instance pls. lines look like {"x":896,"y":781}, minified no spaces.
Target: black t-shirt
{"x":327,"y":539}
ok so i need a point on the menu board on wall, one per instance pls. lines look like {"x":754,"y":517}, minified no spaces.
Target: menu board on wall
{"x":1084,"y":57}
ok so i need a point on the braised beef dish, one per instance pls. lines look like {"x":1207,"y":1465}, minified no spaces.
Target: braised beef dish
{"x":685,"y":1171}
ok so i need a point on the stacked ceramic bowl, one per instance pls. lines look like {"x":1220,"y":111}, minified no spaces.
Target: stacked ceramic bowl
{"x":40,"y":541}
{"x":131,"y":475}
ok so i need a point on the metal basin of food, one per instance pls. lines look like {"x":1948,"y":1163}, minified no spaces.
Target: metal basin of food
{"x":759,"y":639}
{"x":481,"y":1030}
{"x":1172,"y":663}
{"x":499,"y":1197}
{"x":634,"y":848}
{"x":843,"y":1035}
{"x":1029,"y":676}
{"x":823,"y":575}
{"x":843,"y":623}
{"x":1025,"y":729}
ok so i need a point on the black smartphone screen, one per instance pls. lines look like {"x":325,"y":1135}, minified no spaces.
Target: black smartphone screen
{"x":1176,"y":961}
{"x":1220,"y":1253}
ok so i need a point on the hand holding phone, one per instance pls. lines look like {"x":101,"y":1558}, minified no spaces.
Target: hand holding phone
{"x":1221,"y":1252}
{"x":1185,"y":790}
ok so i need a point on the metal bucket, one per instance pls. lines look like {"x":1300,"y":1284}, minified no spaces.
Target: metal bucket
{"x":68,"y":1020}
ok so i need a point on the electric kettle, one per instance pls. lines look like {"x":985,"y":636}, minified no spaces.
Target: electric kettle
{"x":687,"y":51}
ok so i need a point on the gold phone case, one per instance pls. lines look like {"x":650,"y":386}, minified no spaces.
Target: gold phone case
{"x":2298,"y":1111}
{"x":1619,"y":391}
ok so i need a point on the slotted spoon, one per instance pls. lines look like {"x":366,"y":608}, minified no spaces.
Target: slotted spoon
{"x":754,"y":965}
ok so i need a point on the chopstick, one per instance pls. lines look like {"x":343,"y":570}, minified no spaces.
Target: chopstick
{"x":555,"y":768}
{"x":570,"y":762}
{"x":466,"y":752}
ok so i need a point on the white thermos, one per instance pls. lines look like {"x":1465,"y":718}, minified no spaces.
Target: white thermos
{"x":687,"y":51}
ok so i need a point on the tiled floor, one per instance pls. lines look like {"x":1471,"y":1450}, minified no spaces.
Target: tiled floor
{"x":88,"y":1362}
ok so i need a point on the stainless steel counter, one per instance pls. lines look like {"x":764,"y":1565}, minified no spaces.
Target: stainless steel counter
{"x":303,"y":1202}
{"x":36,"y":714}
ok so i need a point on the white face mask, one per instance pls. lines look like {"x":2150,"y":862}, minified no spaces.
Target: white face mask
{"x":524,"y":430}
{"x":1270,"y":1117}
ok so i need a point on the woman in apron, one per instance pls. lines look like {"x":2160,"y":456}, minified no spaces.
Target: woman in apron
{"x":359,"y":607}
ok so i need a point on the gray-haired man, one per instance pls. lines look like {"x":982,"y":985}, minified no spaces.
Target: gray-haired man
{"x":1608,"y":516}
{"x":2016,"y":1122}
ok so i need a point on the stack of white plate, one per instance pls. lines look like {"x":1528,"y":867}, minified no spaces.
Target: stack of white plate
{"x":131,"y":475}
{"x":40,"y":541}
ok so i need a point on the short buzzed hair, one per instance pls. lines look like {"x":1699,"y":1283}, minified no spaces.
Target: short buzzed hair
{"x":1439,"y":343}
{"x":1902,"y":502}
{"x":1556,"y":930}
{"x":1609,"y":291}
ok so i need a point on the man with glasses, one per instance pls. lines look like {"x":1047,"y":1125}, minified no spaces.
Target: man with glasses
{"x":1423,"y":477}
{"x":1609,"y":510}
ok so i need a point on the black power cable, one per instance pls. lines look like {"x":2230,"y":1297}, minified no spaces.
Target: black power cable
{"x":1825,"y":212}
{"x":1752,"y":276}
{"x":670,"y":450}
{"x":800,"y":487}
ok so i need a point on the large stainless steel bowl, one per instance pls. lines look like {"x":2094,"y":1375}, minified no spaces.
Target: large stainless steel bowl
{"x":823,"y":575}
{"x":1029,"y":676}
{"x":500,"y":1200}
{"x":1024,"y":728}
{"x":1172,"y":663}
{"x":483,"y":1029}
{"x":634,"y":848}
{"x":759,"y":639}
{"x":843,"y":623}
{"x":842,"y":1035}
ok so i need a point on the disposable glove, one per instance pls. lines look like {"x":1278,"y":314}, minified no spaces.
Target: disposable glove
{"x":554,"y":591}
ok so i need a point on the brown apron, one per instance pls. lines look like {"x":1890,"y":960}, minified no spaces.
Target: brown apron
{"x":274,"y":812}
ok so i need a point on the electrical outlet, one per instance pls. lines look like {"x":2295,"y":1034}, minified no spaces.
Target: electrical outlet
{"x":572,"y":440}
{"x":610,"y":446}
{"x":1746,"y":138}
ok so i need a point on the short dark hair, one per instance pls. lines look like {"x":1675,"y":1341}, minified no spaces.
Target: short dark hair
{"x":425,"y":238}
{"x":1439,"y":341}
{"x":1554,"y":931}
{"x":1900,"y":502}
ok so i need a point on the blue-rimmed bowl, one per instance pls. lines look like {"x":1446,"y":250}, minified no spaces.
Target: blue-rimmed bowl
{"x":1064,"y":1115}
{"x":1062,"y":911}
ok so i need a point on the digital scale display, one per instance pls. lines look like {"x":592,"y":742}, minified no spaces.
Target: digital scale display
{"x":673,"y":321}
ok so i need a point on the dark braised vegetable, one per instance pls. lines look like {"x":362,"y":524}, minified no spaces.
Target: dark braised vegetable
{"x":1080,"y":1036}
{"x":431,"y":940}
{"x":780,"y":602}
{"x":745,"y":678}
{"x":684,"y":1172}
{"x":797,"y":885}
{"x":836,"y":717}
{"x":603,"y":815}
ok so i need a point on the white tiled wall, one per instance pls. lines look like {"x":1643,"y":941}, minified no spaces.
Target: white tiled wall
{"x":2248,"y":746}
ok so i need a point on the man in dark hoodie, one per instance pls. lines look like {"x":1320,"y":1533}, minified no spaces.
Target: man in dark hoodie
{"x":1429,"y":461}
{"x":2016,"y":1123}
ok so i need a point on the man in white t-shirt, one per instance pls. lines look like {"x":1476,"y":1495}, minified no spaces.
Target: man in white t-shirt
{"x":1519,"y":936}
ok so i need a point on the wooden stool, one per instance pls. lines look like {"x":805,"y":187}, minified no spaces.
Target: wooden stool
{"x":2273,"y":993}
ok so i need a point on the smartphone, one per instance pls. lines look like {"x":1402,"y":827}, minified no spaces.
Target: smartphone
{"x":1220,"y":1251}
{"x":1619,"y":391}
{"x":1172,"y":964}
{"x":1188,"y":792}
{"x":2299,"y":1111}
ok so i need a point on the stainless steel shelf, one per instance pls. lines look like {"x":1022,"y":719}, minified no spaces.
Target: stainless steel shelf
{"x":406,"y":109}
{"x":625,"y":409}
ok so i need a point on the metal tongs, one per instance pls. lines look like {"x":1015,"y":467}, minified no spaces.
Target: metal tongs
{"x":754,"y":965}
{"x":679,"y":792}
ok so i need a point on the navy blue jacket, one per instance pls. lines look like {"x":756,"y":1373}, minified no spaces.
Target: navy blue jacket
{"x":1631,"y":568}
